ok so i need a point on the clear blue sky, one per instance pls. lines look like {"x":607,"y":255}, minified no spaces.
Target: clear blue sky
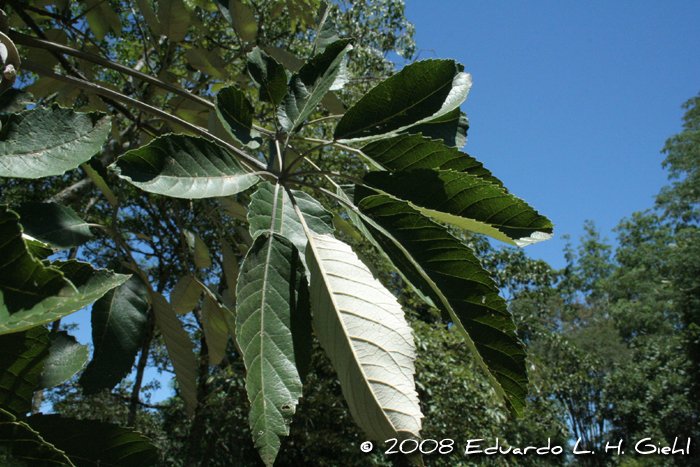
{"x":572,"y":101}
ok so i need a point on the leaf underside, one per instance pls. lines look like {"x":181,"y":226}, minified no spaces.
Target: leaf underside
{"x":268,"y":294}
{"x":362,"y":328}
{"x":66,"y":358}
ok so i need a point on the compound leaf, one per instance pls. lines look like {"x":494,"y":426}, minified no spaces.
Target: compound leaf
{"x":310,"y":84}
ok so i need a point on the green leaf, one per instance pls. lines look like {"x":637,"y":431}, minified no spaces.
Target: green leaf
{"x":92,"y":443}
{"x":406,"y":152}
{"x":24,"y":281}
{"x":208,"y":62}
{"x":67,"y":357}
{"x":310,"y":84}
{"x":215,"y":330}
{"x":466,"y":201}
{"x":262,"y":203}
{"x":184,"y":167}
{"x":15,"y":100}
{"x":54,"y":224}
{"x":268,"y":286}
{"x":185,"y":295}
{"x":90,"y":283}
{"x":119,"y":327}
{"x":101,"y":18}
{"x":180,"y":350}
{"x":444,"y":269}
{"x":243,"y":20}
{"x":236,"y":114}
{"x":27,"y":446}
{"x":47,"y":141}
{"x":420,"y":92}
{"x":230,"y":266}
{"x":150,"y":16}
{"x":21,"y":362}
{"x":451,"y":128}
{"x":269,"y":75}
{"x":174,"y":19}
{"x":198,"y":249}
{"x":326,"y":32}
{"x":97,"y":173}
{"x":362,"y":327}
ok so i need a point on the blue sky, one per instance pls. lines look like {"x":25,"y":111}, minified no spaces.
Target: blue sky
{"x":572,"y":101}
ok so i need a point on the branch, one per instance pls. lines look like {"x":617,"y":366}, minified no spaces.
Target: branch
{"x":97,"y":89}
{"x":30,"y":41}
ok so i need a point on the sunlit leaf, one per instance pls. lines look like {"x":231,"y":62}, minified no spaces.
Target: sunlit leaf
{"x":184,"y":167}
{"x":362,"y":327}
{"x":420,"y":92}
{"x":66,"y":358}
{"x":451,"y":128}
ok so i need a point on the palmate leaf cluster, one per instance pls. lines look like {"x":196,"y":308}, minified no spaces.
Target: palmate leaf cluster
{"x":289,"y":277}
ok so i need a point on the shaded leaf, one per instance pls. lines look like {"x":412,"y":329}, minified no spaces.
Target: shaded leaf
{"x":215,"y":330}
{"x":119,"y":327}
{"x":54,"y":224}
{"x":310,"y":84}
{"x":21,"y":363}
{"x":230,"y":266}
{"x":48,"y":141}
{"x":174,"y":19}
{"x":406,"y":152}
{"x":97,"y":173}
{"x":208,"y":62}
{"x":269,"y":75}
{"x":27,"y":446}
{"x":267,"y":293}
{"x":180,"y":350}
{"x":101,"y":18}
{"x":466,"y":201}
{"x":443,"y":268}
{"x":451,"y":128}
{"x":243,"y":20}
{"x":290,"y":62}
{"x":92,"y":443}
{"x":15,"y":100}
{"x":362,"y":327}
{"x":150,"y":16}
{"x":236,"y":114}
{"x":262,"y":203}
{"x":67,"y":357}
{"x":184,"y":167}
{"x":326,"y":32}
{"x":185,"y":295}
{"x":420,"y":92}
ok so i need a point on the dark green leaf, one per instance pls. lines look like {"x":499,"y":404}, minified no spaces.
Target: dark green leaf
{"x":267,"y":293}
{"x":326,"y":32}
{"x":451,"y":128}
{"x":406,"y":152}
{"x":119,"y":326}
{"x":91,"y":443}
{"x":236,"y":113}
{"x":466,"y":201}
{"x":268,"y":75}
{"x":24,"y":281}
{"x":318,"y":219}
{"x":15,"y":100}
{"x":27,"y":446}
{"x":21,"y":362}
{"x":180,"y":350}
{"x":184,"y":167}
{"x":308,"y":86}
{"x":48,"y":141}
{"x":446,"y":270}
{"x":420,"y":92}
{"x":54,"y":224}
{"x":174,"y":19}
{"x":67,"y":357}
